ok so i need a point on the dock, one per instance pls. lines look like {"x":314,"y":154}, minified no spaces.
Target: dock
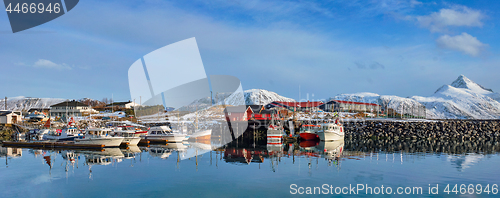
{"x":52,"y":145}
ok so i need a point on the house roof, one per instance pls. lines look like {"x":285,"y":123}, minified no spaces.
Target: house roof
{"x":69,"y":103}
{"x":255,"y":108}
{"x":118,"y":103}
{"x":297,"y":104}
{"x":4,"y":113}
{"x":351,"y":102}
{"x":38,"y":109}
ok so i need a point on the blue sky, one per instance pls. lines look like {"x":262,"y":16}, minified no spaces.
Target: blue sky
{"x":395,"y":47}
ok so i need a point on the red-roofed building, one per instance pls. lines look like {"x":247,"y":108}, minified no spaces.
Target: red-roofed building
{"x":295,"y":106}
{"x":349,"y":106}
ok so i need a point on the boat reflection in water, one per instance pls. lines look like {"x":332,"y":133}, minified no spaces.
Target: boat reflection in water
{"x":331,"y":150}
{"x":164,"y":151}
{"x":104,"y":157}
{"x":130,"y":152}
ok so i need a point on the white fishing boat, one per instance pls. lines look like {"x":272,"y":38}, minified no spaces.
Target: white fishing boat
{"x":331,"y":132}
{"x":129,"y":137}
{"x":163,"y":133}
{"x":67,"y":134}
{"x":274,"y":134}
{"x":99,"y":136}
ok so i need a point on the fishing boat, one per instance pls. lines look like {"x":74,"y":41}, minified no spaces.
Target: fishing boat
{"x":67,"y":134}
{"x":274,"y":132}
{"x":163,"y":133}
{"x":99,"y":136}
{"x":129,"y":137}
{"x":309,"y":132}
{"x":331,"y":131}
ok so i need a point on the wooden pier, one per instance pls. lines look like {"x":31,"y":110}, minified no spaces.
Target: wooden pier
{"x":52,"y":145}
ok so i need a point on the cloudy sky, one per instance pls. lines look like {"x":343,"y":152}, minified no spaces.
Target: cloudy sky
{"x":396,"y":47}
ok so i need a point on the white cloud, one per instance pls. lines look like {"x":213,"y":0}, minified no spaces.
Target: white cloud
{"x":42,"y":63}
{"x":463,"y":42}
{"x":415,"y":2}
{"x":456,"y":16}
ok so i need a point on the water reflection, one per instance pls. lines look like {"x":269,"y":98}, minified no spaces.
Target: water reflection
{"x":461,"y":154}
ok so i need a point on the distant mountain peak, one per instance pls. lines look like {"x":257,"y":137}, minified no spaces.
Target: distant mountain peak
{"x":464,"y":82}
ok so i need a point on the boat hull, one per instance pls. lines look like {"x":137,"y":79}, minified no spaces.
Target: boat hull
{"x":107,"y":141}
{"x":131,"y":141}
{"x":309,"y":136}
{"x":171,"y":138}
{"x":330,"y":136}
{"x":274,"y":136}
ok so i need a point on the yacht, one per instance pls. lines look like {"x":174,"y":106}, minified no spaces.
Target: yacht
{"x":99,"y":136}
{"x":163,"y":133}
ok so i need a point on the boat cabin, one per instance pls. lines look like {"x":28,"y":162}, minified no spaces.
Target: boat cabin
{"x":160,"y":130}
{"x":98,"y":132}
{"x":331,"y":127}
{"x":127,"y":133}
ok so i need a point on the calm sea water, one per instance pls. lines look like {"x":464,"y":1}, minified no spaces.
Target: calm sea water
{"x":250,"y":170}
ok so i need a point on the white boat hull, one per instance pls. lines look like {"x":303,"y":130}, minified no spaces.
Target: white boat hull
{"x":169,"y":138}
{"x":330,"y":136}
{"x":274,"y":136}
{"x":106,"y":141}
{"x":131,"y":141}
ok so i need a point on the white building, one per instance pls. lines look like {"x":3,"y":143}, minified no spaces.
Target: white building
{"x":10,"y":117}
{"x":71,"y":109}
{"x":123,"y":105}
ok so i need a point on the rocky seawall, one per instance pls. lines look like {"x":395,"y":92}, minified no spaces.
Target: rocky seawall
{"x":432,"y":130}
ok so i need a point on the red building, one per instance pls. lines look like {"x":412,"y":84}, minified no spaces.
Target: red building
{"x":294,"y":106}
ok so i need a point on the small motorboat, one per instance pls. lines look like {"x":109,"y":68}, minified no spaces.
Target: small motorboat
{"x":163,"y":133}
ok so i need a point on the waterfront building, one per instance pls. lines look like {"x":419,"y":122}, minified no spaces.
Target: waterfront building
{"x":10,"y":117}
{"x":349,"y":106}
{"x":71,"y":108}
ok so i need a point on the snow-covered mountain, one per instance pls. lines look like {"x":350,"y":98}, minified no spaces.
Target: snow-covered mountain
{"x":463,"y":99}
{"x":21,"y":103}
{"x":251,"y":97}
{"x":263,"y":97}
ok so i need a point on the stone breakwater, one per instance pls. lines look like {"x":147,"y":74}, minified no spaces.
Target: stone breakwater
{"x":437,"y":130}
{"x":422,"y":146}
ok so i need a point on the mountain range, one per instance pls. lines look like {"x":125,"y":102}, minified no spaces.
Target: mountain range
{"x":462,"y":99}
